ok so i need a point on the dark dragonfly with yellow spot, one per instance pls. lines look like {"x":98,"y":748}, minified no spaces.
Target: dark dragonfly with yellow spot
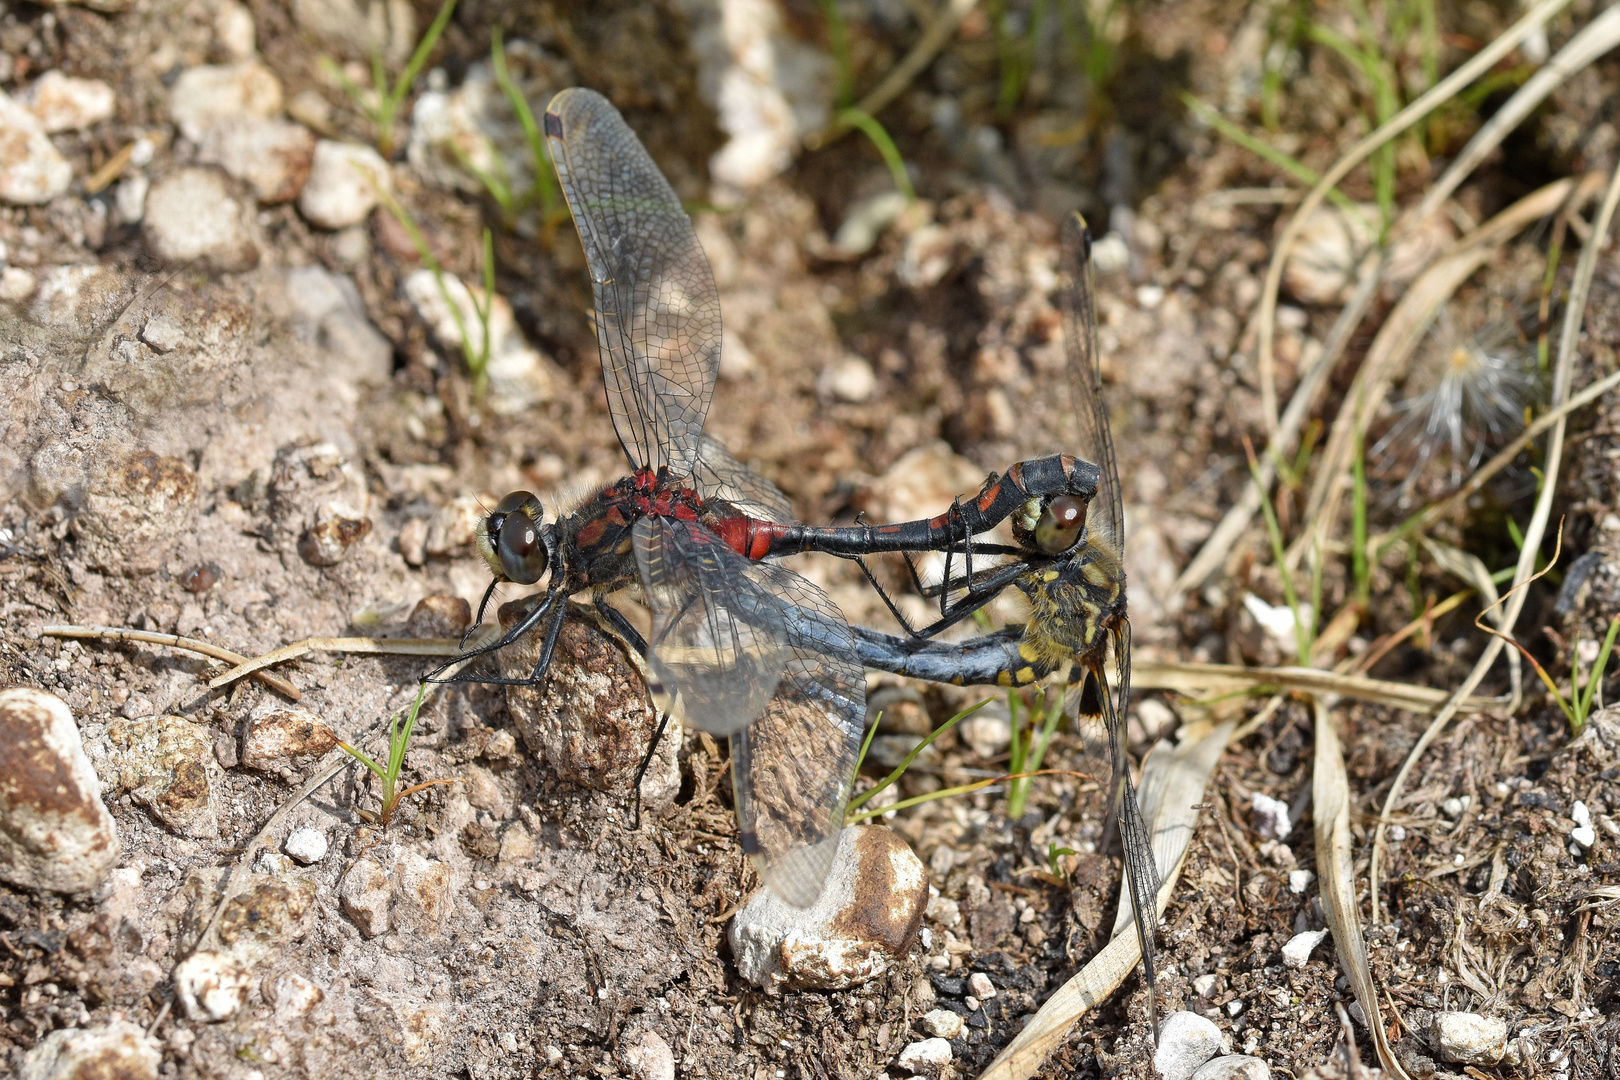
{"x":1076,"y":598}
{"x":748,"y":648}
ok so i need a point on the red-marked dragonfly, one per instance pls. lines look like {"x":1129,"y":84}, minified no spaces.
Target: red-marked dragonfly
{"x":752,"y":650}
{"x":1077,"y":601}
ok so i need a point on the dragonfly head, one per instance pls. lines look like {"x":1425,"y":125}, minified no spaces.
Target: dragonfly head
{"x":1052,"y":528}
{"x":515,"y":542}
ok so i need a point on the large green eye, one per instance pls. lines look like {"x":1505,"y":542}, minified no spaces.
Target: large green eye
{"x":1062,"y":524}
{"x":511,"y":541}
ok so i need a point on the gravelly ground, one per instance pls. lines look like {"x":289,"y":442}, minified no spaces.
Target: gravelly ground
{"x":541,"y":934}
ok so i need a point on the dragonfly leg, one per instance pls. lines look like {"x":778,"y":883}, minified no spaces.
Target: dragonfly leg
{"x":553,"y":600}
{"x":478,"y":620}
{"x":641,"y":770}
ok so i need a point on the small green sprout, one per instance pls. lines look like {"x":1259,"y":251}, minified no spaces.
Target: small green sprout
{"x":380,"y":102}
{"x":399,"y":738}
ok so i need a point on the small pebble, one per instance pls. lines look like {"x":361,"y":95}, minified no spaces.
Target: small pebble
{"x":1186,"y":1041}
{"x":926,"y":1056}
{"x":1469,"y":1038}
{"x":211,"y":986}
{"x":1397,"y":833}
{"x":648,"y":1057}
{"x":1234,"y":1007}
{"x":1233,"y":1067}
{"x":1271,"y":818}
{"x":62,"y":103}
{"x":850,"y":379}
{"x":972,"y":1003}
{"x":342,"y":186}
{"x":119,"y":1049}
{"x":1453,"y":807}
{"x":981,"y":986}
{"x":1299,"y":881}
{"x":1205,"y":985}
{"x":306,"y":845}
{"x":1297,"y":952}
{"x":1580,"y":813}
{"x":942,"y":1023}
{"x":31,"y":169}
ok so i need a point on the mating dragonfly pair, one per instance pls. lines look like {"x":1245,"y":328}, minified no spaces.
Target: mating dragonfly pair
{"x":748,"y":648}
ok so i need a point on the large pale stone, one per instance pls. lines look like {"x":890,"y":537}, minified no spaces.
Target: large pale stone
{"x":868,"y":912}
{"x":54,"y":831}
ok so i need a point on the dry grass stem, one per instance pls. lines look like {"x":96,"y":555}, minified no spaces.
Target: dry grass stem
{"x":1574,"y":314}
{"x":364,"y":645}
{"x":1203,"y":681}
{"x":174,"y":641}
{"x":1330,"y":807}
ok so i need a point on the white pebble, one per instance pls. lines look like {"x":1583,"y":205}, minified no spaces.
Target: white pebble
{"x":1234,"y":1007}
{"x":850,"y":379}
{"x":1580,"y":814}
{"x":1299,"y":881}
{"x":1297,"y":952}
{"x":306,"y":845}
{"x":926,"y":1056}
{"x":649,"y":1057}
{"x":942,"y":1023}
{"x":1149,"y":297}
{"x":980,"y":985}
{"x":1469,"y":1038}
{"x":31,"y":170}
{"x":1453,"y":807}
{"x":1234,"y":1067}
{"x":1584,"y":835}
{"x":1271,"y":817}
{"x":1205,"y":985}
{"x":1186,"y":1041}
{"x":211,"y":985}
{"x":16,"y":284}
{"x":344,"y":179}
{"x":66,"y":104}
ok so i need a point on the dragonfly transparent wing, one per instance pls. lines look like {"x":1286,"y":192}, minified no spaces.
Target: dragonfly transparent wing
{"x":720,"y":476}
{"x":1077,"y":301}
{"x":758,"y":653}
{"x":657,"y":308}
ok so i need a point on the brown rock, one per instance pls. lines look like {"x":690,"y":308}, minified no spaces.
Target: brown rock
{"x":364,"y":896}
{"x":326,"y":542}
{"x":134,"y":512}
{"x":284,"y":739}
{"x":591,"y":719}
{"x":118,"y":1051}
{"x":166,"y":764}
{"x":54,"y":831}
{"x":439,"y":616}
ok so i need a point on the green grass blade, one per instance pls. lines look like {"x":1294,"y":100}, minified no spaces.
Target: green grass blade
{"x":900,"y":769}
{"x":875,"y":131}
{"x":1298,"y":170}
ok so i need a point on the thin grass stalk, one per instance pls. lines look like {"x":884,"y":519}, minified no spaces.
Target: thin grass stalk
{"x":1594,"y":39}
{"x":869,"y":126}
{"x":1289,"y":164}
{"x":1311,"y":387}
{"x":1574,"y":315}
{"x":939,"y":32}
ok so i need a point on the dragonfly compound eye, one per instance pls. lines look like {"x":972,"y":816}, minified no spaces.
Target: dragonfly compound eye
{"x":511,"y":542}
{"x":1062,"y":524}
